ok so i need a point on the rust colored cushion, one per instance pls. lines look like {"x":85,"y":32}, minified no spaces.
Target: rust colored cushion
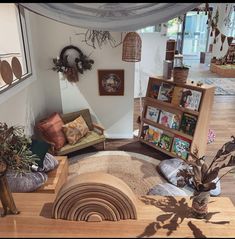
{"x":51,"y":128}
{"x":75,"y":130}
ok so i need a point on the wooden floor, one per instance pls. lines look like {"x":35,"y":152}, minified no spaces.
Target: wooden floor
{"x":157,"y":217}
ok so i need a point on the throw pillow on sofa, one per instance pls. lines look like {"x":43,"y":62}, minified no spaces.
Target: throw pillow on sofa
{"x":75,"y":130}
{"x":51,"y":128}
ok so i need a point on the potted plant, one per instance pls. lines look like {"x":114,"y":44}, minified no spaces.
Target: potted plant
{"x":204,"y":177}
{"x":180,"y":73}
{"x":19,"y":163}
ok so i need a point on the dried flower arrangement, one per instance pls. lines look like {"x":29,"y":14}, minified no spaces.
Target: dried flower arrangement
{"x":201,"y":175}
{"x":71,"y":62}
{"x":204,"y":177}
{"x":15,"y":154}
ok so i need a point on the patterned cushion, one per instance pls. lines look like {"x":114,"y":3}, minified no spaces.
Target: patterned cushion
{"x":167,"y":189}
{"x":50,"y":162}
{"x":27,"y":182}
{"x":170,"y":167}
{"x":51,"y":128}
{"x":75,"y":130}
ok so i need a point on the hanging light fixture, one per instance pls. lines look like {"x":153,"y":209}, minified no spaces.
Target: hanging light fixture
{"x":131,"y":47}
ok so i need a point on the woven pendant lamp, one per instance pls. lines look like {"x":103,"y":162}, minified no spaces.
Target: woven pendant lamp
{"x":131,"y":47}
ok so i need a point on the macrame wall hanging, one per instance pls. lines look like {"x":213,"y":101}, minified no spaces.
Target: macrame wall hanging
{"x":96,"y":38}
{"x":71,"y":62}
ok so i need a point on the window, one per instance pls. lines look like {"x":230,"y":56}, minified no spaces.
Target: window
{"x":13,"y":41}
{"x":156,"y":28}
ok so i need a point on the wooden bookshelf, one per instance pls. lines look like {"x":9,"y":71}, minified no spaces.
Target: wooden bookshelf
{"x":170,"y":51}
{"x":199,"y":137}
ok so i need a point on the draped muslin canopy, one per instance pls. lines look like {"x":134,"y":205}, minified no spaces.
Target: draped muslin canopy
{"x":118,"y":17}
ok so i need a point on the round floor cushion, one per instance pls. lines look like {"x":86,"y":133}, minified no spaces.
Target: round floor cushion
{"x":27,"y":182}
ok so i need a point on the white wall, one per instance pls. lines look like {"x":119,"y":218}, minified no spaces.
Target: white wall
{"x":24,"y":103}
{"x":151,"y":64}
{"x":115,"y":113}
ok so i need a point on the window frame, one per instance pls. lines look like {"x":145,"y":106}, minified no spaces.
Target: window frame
{"x":22,"y":26}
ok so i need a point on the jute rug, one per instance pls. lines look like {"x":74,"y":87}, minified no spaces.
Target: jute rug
{"x":136,"y":170}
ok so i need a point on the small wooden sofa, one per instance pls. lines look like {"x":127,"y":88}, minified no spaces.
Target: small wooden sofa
{"x":94,"y":136}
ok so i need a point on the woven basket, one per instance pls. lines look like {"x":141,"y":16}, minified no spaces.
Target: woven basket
{"x":180,"y":75}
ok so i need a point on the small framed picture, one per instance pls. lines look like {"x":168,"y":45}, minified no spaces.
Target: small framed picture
{"x":111,"y":82}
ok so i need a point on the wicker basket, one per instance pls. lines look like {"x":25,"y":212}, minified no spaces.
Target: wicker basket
{"x":180,"y":74}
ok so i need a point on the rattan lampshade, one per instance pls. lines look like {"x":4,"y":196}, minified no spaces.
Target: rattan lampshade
{"x":131,"y":47}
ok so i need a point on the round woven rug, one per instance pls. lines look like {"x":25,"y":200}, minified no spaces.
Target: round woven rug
{"x":136,"y":170}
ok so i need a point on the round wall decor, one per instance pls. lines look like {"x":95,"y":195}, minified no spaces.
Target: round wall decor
{"x":6,"y":72}
{"x":16,"y":67}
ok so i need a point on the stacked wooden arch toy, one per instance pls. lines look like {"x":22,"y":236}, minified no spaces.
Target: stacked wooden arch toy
{"x":95,"y":197}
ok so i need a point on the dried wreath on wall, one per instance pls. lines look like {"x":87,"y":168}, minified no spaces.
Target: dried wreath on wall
{"x":71,"y":62}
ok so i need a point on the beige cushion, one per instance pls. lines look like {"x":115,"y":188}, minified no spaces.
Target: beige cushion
{"x":75,"y":130}
{"x":89,"y":139}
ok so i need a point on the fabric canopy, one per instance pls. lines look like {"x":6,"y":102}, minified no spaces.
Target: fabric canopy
{"x":111,"y":16}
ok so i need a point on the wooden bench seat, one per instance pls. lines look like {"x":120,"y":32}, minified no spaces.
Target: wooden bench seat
{"x":56,"y":177}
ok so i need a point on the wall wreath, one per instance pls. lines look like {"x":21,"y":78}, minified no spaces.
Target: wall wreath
{"x":71,"y":62}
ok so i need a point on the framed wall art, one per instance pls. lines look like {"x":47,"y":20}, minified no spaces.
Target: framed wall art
{"x":111,"y":82}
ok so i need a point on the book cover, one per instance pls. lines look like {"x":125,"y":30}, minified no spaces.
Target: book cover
{"x":181,"y":146}
{"x":152,"y":113}
{"x":191,"y":99}
{"x":175,"y":122}
{"x":154,"y":90}
{"x":153,"y":135}
{"x":177,"y":95}
{"x":166,"y":92}
{"x":165,"y":142}
{"x":166,"y":118}
{"x":188,"y":123}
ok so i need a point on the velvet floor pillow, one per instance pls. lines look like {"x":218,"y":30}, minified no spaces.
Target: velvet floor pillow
{"x":168,"y":189}
{"x":27,"y":182}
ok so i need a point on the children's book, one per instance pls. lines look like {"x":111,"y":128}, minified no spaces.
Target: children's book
{"x":152,"y":113}
{"x":175,"y":122}
{"x":188,"y":123}
{"x":165,"y":142}
{"x":177,"y":94}
{"x":181,"y":146}
{"x":191,"y":99}
{"x":166,"y":92}
{"x":169,"y":119}
{"x":154,"y":90}
{"x":153,"y":135}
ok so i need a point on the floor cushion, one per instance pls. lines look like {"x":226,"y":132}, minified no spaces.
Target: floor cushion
{"x":27,"y":182}
{"x":50,"y":162}
{"x":169,"y":169}
{"x":217,"y":190}
{"x":168,"y":189}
